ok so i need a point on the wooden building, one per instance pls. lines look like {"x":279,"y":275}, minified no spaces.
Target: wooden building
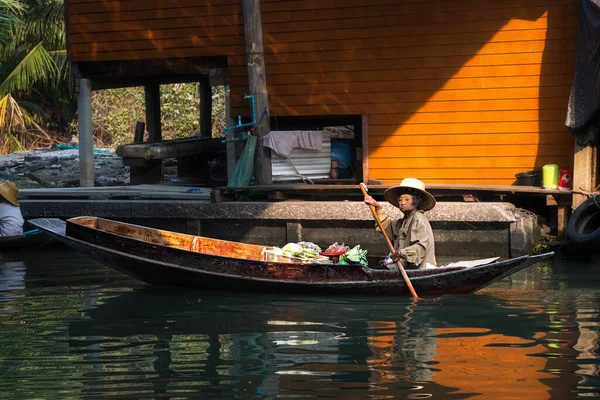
{"x":459,"y":91}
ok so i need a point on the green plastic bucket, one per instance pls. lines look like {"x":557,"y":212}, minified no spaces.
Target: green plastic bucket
{"x":550,"y":176}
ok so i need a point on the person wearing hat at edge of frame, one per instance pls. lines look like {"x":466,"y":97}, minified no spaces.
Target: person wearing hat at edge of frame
{"x":11,"y":220}
{"x":411,"y":236}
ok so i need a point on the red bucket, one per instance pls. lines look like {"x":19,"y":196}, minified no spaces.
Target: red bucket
{"x":565,"y":179}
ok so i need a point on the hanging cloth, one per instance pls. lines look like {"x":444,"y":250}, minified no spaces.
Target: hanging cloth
{"x":242,"y":173}
{"x":283,"y":142}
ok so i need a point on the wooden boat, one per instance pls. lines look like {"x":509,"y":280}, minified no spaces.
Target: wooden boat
{"x":31,"y":239}
{"x":167,"y":258}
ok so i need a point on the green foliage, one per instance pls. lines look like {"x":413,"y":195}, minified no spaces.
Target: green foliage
{"x":218,"y":111}
{"x":33,"y":75}
{"x":10,"y":11}
{"x":116,"y":111}
{"x":114,"y":114}
{"x":180,"y":110}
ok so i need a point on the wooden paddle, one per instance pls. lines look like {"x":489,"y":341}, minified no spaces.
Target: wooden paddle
{"x":364,"y":189}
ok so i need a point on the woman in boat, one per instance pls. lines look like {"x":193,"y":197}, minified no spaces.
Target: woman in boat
{"x":11,"y":220}
{"x":411,"y":235}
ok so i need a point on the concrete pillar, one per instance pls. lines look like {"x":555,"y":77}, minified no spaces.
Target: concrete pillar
{"x":293,"y":232}
{"x":86,"y":138}
{"x":584,"y":172}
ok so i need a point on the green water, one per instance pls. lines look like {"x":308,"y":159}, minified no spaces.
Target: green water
{"x":72,"y":329}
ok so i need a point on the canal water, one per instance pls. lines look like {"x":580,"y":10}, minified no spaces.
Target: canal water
{"x":73,"y":329}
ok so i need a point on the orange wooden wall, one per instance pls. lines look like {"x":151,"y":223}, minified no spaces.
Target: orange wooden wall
{"x":456,"y":91}
{"x":100,"y":30}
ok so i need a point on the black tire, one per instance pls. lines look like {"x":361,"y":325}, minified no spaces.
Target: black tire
{"x":584,"y":225}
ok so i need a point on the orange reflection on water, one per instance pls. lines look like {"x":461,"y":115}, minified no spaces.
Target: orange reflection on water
{"x":490,"y":366}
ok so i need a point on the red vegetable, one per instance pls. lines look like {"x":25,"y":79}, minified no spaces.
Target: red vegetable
{"x":335,"y":250}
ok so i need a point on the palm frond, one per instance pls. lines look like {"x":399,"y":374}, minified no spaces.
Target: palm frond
{"x":10,"y":12}
{"x":62,"y":63}
{"x":11,"y":143}
{"x":37,"y":66}
{"x":18,"y":128}
{"x":44,"y":22}
{"x":11,"y":6}
{"x":12,"y":116}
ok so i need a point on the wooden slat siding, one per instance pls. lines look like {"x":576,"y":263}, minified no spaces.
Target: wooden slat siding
{"x":419,"y":62}
{"x":423,"y":15}
{"x":412,"y":26}
{"x":496,"y":95}
{"x":411,"y":85}
{"x":408,"y":6}
{"x":448,"y":150}
{"x":102,"y":30}
{"x":463,"y":166}
{"x":133,"y":5}
{"x":557,"y":138}
{"x":462,"y":91}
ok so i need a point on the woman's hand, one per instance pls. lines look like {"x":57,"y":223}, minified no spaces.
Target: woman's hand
{"x":372,"y":202}
{"x":398,"y":255}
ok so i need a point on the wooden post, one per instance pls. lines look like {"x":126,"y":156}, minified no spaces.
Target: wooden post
{"x":562,"y":218}
{"x":86,"y":138}
{"x":152,"y":98}
{"x":584,"y":172}
{"x":138,"y":136}
{"x":365,"y":149}
{"x":205,"y":107}
{"x":257,"y":83}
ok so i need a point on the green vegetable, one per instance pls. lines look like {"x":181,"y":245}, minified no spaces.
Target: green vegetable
{"x":354,"y":256}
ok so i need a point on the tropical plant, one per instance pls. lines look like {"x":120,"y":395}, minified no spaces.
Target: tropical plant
{"x":116,"y":111}
{"x":35,"y":96}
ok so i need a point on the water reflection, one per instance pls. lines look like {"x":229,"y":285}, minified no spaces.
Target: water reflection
{"x":12,"y":283}
{"x":297,"y":346}
{"x":79,"y":329}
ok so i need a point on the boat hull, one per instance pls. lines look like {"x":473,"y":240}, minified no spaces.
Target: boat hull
{"x":163,"y":265}
{"x":31,"y":241}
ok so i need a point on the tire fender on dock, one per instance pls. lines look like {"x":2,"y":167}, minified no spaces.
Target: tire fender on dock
{"x":583,"y":227}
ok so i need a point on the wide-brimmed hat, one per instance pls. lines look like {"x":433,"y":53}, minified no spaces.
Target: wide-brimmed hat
{"x":9,"y":190}
{"x":413,"y":187}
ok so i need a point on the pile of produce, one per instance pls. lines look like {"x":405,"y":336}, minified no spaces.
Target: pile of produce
{"x":354,"y":256}
{"x":310,"y":251}
{"x":303,"y":250}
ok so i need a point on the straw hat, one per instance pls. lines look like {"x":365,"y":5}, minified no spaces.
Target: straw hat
{"x":413,"y":187}
{"x":9,"y":190}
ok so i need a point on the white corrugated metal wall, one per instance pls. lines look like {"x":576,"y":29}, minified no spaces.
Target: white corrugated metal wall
{"x":313,"y":164}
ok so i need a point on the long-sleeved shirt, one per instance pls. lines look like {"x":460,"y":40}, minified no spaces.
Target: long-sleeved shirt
{"x":11,"y":220}
{"x":412,"y":235}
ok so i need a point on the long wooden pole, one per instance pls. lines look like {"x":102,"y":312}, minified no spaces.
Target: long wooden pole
{"x":257,"y":83}
{"x":364,"y":189}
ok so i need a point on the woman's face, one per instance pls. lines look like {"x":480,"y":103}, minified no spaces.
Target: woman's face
{"x":406,"y":203}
